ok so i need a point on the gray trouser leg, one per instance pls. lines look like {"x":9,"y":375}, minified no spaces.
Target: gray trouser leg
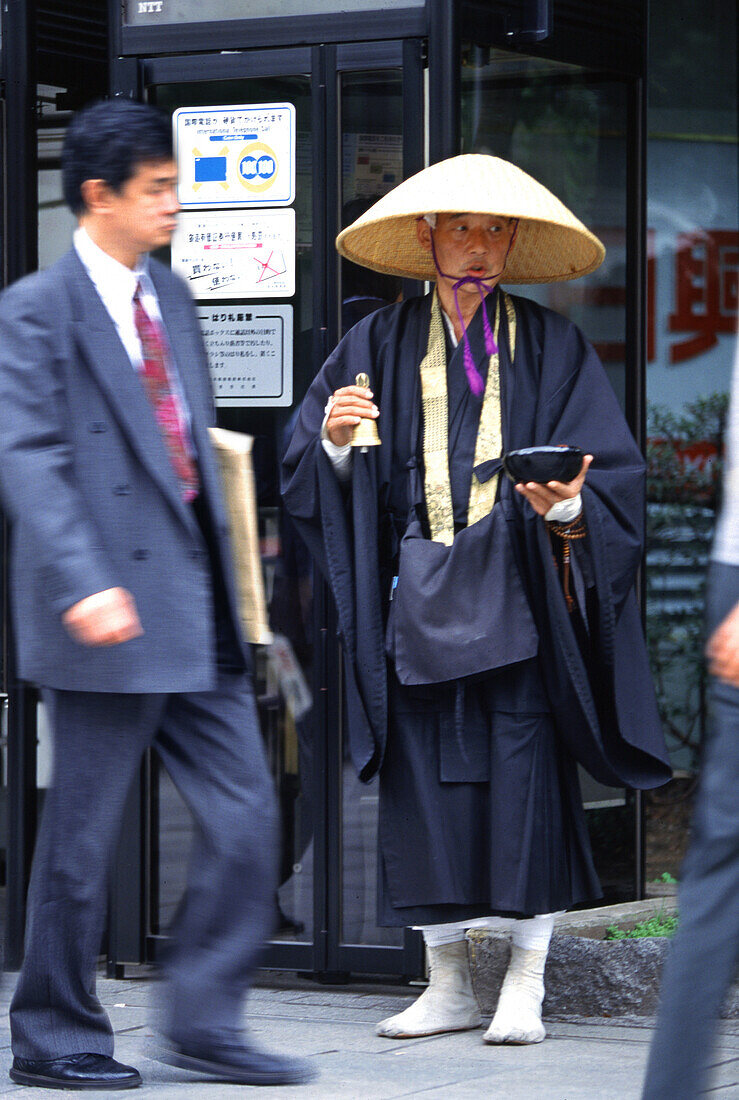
{"x":211,"y":745}
{"x":230,"y":903}
{"x":98,"y":743}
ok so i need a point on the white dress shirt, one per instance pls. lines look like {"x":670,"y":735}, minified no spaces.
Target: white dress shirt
{"x":116,"y":284}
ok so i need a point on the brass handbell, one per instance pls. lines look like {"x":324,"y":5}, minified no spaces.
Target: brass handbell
{"x":365,"y":433}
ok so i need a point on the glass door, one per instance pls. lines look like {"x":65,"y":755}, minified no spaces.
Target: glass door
{"x":271,"y":330}
{"x":567,"y":127}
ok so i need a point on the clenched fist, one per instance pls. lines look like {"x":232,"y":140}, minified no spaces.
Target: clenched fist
{"x":105,"y":618}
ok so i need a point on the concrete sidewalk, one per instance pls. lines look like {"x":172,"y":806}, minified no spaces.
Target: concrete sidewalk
{"x":582,"y":1059}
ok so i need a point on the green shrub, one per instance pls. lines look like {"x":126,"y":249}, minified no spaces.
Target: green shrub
{"x":661,"y":924}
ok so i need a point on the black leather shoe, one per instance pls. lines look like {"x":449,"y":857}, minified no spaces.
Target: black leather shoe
{"x":76,"y":1071}
{"x":245,"y":1064}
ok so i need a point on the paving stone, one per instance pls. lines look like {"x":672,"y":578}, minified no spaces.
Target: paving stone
{"x":582,"y":1058}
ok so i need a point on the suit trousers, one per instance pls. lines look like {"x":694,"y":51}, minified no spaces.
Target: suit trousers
{"x":211,"y":746}
{"x":704,"y":954}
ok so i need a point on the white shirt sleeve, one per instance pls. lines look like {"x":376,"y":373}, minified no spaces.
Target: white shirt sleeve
{"x":564,"y":511}
{"x":341,"y":457}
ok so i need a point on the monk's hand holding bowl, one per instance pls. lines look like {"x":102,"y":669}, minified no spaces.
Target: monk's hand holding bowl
{"x":348,"y":406}
{"x":542,"y":497}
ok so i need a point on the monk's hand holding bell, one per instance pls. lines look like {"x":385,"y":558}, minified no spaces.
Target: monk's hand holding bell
{"x":349,"y":405}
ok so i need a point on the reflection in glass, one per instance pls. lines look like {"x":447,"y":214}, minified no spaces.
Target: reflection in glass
{"x":569,"y":132}
{"x":691,"y":323}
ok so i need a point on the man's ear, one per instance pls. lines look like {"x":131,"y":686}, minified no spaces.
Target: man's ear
{"x":423,"y":232}
{"x":95,"y":195}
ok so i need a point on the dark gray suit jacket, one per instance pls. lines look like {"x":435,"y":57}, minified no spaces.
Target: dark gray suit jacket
{"x":91,"y":493}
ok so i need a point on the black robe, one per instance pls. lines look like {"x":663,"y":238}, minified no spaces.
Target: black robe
{"x":481,"y":812}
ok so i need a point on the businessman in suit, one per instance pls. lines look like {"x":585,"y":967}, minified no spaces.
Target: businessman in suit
{"x":125,"y":614}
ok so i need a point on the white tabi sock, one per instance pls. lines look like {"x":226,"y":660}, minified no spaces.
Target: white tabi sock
{"x":447,"y":1004}
{"x":517,"y":1017}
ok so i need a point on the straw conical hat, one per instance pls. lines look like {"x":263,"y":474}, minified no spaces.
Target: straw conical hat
{"x":552,"y":244}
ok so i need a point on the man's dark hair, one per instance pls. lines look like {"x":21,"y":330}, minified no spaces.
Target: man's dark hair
{"x":108,"y":141}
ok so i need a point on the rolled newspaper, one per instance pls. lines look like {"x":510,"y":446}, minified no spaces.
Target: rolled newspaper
{"x":233,"y":450}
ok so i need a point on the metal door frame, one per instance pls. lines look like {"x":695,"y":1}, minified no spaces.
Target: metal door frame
{"x":408,"y":55}
{"x":20,"y":257}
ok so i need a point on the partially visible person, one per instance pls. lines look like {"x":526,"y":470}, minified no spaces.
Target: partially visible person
{"x":705,"y":952}
{"x":126,"y":615}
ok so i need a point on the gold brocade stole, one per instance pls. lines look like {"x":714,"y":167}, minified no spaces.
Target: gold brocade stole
{"x":437,"y":484}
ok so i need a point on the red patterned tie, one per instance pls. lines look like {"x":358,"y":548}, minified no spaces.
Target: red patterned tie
{"x":164,"y":398}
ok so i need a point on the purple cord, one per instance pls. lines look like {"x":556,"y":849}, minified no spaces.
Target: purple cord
{"x":484,"y":286}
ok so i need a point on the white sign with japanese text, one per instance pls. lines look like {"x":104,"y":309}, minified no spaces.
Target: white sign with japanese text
{"x":236,"y":254}
{"x":241,"y":155}
{"x":250,"y":352}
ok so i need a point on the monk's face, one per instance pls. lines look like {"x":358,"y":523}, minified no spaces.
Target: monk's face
{"x":469,"y":244}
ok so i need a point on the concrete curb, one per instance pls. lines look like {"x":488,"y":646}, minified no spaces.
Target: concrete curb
{"x":585,"y":974}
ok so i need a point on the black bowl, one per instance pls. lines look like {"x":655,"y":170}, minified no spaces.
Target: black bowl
{"x":543,"y":464}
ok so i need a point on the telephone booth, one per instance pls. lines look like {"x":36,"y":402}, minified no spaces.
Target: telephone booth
{"x":331,"y":105}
